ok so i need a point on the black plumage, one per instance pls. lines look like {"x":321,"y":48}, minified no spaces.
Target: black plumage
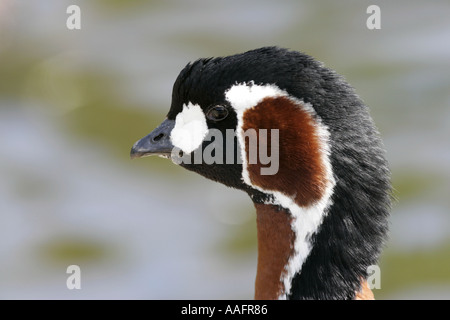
{"x":353,"y":230}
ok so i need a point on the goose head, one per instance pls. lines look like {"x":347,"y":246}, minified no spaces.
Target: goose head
{"x":296,"y":138}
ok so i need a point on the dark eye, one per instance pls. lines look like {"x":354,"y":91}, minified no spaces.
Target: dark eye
{"x":217,"y":113}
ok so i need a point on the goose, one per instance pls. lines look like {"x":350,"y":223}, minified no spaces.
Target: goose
{"x":322,"y":197}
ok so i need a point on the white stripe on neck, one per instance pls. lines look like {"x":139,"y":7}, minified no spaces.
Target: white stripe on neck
{"x":306,"y":220}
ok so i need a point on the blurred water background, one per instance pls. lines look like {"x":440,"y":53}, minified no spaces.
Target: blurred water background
{"x":72,"y":103}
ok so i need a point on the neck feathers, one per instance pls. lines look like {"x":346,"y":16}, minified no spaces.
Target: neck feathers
{"x":322,"y":221}
{"x":275,"y":247}
{"x":330,"y":200}
{"x":281,"y":273}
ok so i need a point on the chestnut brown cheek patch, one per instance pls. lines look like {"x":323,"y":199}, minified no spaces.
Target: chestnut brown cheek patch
{"x":301,"y":173}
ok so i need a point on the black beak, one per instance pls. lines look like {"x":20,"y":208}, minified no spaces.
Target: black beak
{"x":156,"y":143}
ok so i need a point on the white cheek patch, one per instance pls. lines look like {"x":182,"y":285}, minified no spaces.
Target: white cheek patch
{"x":190,"y":128}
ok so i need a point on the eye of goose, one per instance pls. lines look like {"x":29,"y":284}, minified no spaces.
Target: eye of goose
{"x":217,"y":113}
